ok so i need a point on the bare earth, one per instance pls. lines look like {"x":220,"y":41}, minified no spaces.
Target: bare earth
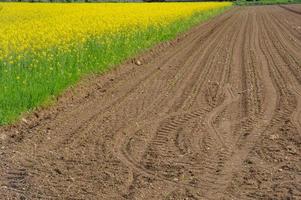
{"x":214,"y":114}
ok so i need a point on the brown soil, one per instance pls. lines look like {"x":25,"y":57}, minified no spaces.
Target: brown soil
{"x":214,"y":114}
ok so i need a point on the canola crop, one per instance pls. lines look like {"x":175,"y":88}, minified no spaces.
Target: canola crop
{"x":34,"y":27}
{"x":46,"y":47}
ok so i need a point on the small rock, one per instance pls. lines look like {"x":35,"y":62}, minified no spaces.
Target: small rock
{"x":3,"y":136}
{"x":274,"y":137}
{"x":176,"y":179}
{"x":24,"y":120}
{"x":138,"y":62}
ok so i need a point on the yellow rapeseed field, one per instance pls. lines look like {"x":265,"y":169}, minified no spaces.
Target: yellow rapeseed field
{"x":39,"y":26}
{"x":45,"y":47}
